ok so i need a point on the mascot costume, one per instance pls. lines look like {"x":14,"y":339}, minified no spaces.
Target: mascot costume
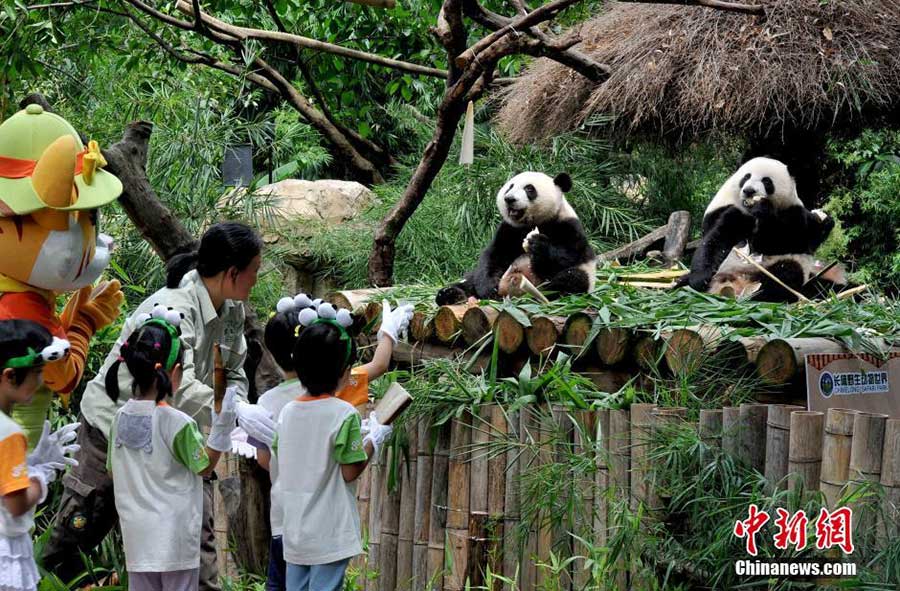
{"x":51,"y":187}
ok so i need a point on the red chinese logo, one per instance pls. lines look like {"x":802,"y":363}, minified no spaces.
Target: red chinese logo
{"x":834,"y":529}
{"x":748,"y":527}
{"x":790,"y":531}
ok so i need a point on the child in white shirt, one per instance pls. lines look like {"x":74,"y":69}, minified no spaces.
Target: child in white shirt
{"x":24,"y":348}
{"x":280,"y":337}
{"x":157,"y":460}
{"x":321,"y":448}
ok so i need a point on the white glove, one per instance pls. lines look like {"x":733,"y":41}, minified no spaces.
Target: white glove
{"x":375,"y":432}
{"x":44,"y":475}
{"x":394,"y":323}
{"x":240,"y":446}
{"x":52,"y":449}
{"x":223,"y":422}
{"x":257,"y":422}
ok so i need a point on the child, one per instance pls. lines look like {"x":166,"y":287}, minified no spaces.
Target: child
{"x":157,"y":460}
{"x":24,"y":348}
{"x":280,"y":337}
{"x":320,"y":451}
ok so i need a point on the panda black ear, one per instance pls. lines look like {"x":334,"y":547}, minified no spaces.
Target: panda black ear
{"x":563,"y":181}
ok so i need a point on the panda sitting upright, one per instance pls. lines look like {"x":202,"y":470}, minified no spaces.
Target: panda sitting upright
{"x":540,"y":238}
{"x":759,"y":206}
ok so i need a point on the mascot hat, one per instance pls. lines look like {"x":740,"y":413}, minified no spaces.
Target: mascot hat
{"x":45,"y":165}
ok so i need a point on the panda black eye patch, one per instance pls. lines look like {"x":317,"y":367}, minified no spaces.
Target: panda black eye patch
{"x":769,"y":185}
{"x":744,"y":180}
{"x":531,"y":192}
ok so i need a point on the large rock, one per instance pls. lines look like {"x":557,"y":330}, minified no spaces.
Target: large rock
{"x":329,"y":201}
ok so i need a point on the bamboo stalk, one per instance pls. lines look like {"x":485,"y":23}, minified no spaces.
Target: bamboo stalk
{"x":509,"y":333}
{"x":448,"y":322}
{"x":778,"y":435}
{"x":836,"y":447}
{"x":769,"y":274}
{"x":421,"y":523}
{"x":866,"y":451}
{"x":805,"y":449}
{"x":438,"y":518}
{"x":890,"y":478}
{"x":641,"y":425}
{"x":478,"y":322}
{"x":752,"y":446}
{"x":731,"y":430}
{"x":612,"y":345}
{"x":544,"y":333}
{"x":407,"y":527}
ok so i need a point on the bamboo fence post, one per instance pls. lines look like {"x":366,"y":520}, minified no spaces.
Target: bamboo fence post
{"x":664,"y":421}
{"x":511,"y":510}
{"x":497,"y":491}
{"x":478,"y":491}
{"x":778,"y":435}
{"x":560,"y":541}
{"x":599,"y":427}
{"x":530,"y":421}
{"x":478,"y":322}
{"x":477,"y":558}
{"x":805,"y":449}
{"x":510,"y":334}
{"x":544,"y":333}
{"x":640,"y":435}
{"x":836,"y":453}
{"x":752,"y":446}
{"x":362,"y":503}
{"x":421,"y":524}
{"x":619,"y":478}
{"x":390,"y":533}
{"x":437,"y":522}
{"x":458,"y":502}
{"x":612,"y":345}
{"x":375,"y":509}
{"x":866,"y":450}
{"x":406,"y":530}
{"x":890,"y":477}
{"x":710,"y":429}
{"x":731,"y":430}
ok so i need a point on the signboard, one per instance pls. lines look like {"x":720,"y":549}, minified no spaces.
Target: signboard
{"x":860,"y":382}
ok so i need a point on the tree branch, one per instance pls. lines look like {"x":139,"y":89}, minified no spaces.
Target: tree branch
{"x":717,"y":4}
{"x":243,"y":33}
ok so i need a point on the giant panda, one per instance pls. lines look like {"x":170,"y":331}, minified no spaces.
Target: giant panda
{"x":540,"y":237}
{"x":758,"y":207}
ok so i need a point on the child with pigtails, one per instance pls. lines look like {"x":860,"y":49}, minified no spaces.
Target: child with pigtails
{"x":157,"y":458}
{"x":281,"y":337}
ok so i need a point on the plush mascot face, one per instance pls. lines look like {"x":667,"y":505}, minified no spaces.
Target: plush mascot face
{"x":51,"y":187}
{"x":532,"y":198}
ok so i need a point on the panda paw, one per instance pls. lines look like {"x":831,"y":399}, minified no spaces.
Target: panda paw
{"x":452,"y":294}
{"x":528,"y":237}
{"x":537,"y":245}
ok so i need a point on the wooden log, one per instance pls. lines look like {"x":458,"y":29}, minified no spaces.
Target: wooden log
{"x":781,"y":361}
{"x":866,"y":451}
{"x":372,"y":313}
{"x":390,"y":533}
{"x":731,"y":430}
{"x":677,"y":233}
{"x":477,"y":322}
{"x":448,"y":322}
{"x":407,"y":527}
{"x":606,"y":380}
{"x":778,"y":435}
{"x":890,"y":478}
{"x":647,"y":352}
{"x":438,"y":518}
{"x":415,"y":354}
{"x":805,"y":449}
{"x":685,"y":347}
{"x":421,"y":524}
{"x":510,"y":334}
{"x":752,"y":447}
{"x":740,"y":353}
{"x":355,"y":300}
{"x":511,"y":513}
{"x":641,"y":426}
{"x":612,"y":345}
{"x":544,"y":333}
{"x":421,"y":327}
{"x":836,"y":446}
{"x":576,"y":330}
{"x":637,"y":248}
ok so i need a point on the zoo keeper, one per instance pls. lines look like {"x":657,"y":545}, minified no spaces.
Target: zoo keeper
{"x":210,"y":299}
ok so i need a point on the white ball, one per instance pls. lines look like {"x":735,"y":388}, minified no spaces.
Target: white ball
{"x":141,"y":319}
{"x":326,"y":310}
{"x":344,"y":318}
{"x":173,"y":317}
{"x":284,"y":305}
{"x":301,"y":300}
{"x":307,"y":316}
{"x":158,"y":311}
{"x":316,"y":303}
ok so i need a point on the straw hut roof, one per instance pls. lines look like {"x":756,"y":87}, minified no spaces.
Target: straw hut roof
{"x":685,"y":70}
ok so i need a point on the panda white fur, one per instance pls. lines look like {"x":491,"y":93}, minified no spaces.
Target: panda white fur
{"x":540,"y":237}
{"x":758,"y":205}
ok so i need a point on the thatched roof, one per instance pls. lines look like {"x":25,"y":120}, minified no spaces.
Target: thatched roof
{"x":678,"y":69}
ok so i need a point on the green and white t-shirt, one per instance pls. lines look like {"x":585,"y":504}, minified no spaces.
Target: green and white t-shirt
{"x":155,"y":455}
{"x":314,"y":437}
{"x":274,"y":401}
